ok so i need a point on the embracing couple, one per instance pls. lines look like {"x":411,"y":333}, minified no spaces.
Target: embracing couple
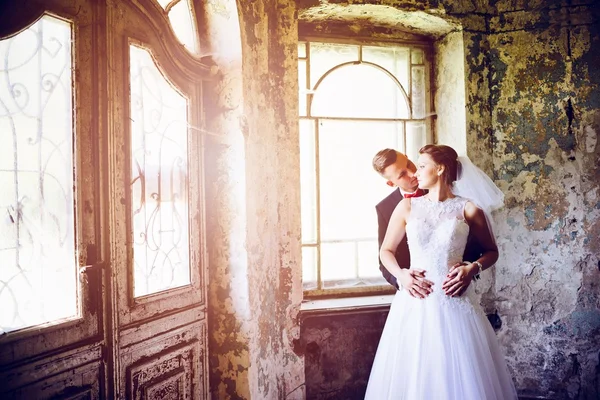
{"x":435,"y":236}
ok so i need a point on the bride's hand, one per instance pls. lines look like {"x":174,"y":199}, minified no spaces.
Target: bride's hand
{"x":413,"y":280}
{"x":458,"y":279}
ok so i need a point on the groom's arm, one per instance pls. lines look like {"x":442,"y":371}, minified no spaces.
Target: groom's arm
{"x":382,"y":225}
{"x":473,"y":250}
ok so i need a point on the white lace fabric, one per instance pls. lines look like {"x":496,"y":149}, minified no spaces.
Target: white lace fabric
{"x":437,"y":234}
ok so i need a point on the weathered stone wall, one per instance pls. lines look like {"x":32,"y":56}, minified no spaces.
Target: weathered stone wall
{"x":449,"y":77}
{"x":545,"y":99}
{"x":253,"y":199}
{"x":270,"y":70}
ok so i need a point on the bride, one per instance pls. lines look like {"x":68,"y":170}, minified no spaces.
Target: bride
{"x":441,"y":346}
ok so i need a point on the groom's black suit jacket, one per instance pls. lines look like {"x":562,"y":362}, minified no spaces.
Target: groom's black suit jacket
{"x":385,"y":208}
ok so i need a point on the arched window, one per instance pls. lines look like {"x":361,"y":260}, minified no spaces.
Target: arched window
{"x":354,"y":101}
{"x":367,"y":96}
{"x":181,"y":17}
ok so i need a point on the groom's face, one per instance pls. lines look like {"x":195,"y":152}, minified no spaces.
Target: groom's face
{"x":402,"y":174}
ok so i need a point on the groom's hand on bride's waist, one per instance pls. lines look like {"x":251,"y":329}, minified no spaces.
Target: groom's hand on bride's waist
{"x":413,"y":280}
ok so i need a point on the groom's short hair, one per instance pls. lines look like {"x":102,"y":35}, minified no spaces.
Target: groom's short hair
{"x":384,"y":158}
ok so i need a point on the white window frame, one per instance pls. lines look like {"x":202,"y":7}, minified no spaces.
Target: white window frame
{"x":427,"y":47}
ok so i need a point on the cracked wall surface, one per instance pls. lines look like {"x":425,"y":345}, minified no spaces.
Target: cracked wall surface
{"x":269,"y":50}
{"x":253,"y":203}
{"x":545,"y":81}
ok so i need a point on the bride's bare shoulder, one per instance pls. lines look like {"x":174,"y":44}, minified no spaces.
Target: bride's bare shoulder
{"x":473,"y":212}
{"x":403,"y":208}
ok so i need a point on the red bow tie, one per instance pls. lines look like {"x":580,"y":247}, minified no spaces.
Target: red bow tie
{"x":418,"y":193}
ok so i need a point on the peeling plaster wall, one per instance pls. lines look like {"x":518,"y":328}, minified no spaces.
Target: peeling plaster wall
{"x":545,"y":69}
{"x":229,"y":311}
{"x":449,"y":75}
{"x":477,"y":88}
{"x":253,"y":203}
{"x":269,"y":50}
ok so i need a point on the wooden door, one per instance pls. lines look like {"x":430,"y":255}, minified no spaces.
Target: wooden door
{"x":51,"y":269}
{"x":102,"y":291}
{"x":156,"y":205}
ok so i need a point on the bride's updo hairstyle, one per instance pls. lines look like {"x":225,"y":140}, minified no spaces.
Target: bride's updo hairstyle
{"x":446,"y":156}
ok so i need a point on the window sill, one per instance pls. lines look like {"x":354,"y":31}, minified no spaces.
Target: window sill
{"x":345,"y":305}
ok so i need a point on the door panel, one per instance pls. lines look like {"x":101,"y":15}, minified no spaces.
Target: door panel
{"x":135,"y":26}
{"x":73,"y":375}
{"x":167,"y":366}
{"x":49,"y":96}
{"x":157,"y":207}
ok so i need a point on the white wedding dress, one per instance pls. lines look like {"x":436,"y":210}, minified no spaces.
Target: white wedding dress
{"x":440,"y":347}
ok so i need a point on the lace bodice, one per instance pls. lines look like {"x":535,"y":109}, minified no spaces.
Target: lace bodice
{"x":437,"y":234}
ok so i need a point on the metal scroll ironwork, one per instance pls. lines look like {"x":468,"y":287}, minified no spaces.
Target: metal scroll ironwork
{"x":38,"y":263}
{"x":159,"y":186}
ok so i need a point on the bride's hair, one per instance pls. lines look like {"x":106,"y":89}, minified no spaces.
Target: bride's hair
{"x":446,"y":156}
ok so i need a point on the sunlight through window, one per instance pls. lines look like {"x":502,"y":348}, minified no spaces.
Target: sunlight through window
{"x":159,"y":187}
{"x":354,"y":101}
{"x":38,"y":273}
{"x":181,"y":17}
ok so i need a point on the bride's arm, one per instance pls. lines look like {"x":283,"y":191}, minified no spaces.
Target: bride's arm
{"x":479,"y":227}
{"x":460,"y":276}
{"x":410,"y":279}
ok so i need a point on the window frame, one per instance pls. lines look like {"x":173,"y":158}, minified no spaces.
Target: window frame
{"x":427,"y":46}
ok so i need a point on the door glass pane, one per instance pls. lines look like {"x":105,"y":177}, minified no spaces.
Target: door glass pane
{"x":38,"y":271}
{"x":183,"y":25}
{"x":159,"y":186}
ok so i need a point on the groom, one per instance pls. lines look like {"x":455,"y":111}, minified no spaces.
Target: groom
{"x":399,"y":172}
